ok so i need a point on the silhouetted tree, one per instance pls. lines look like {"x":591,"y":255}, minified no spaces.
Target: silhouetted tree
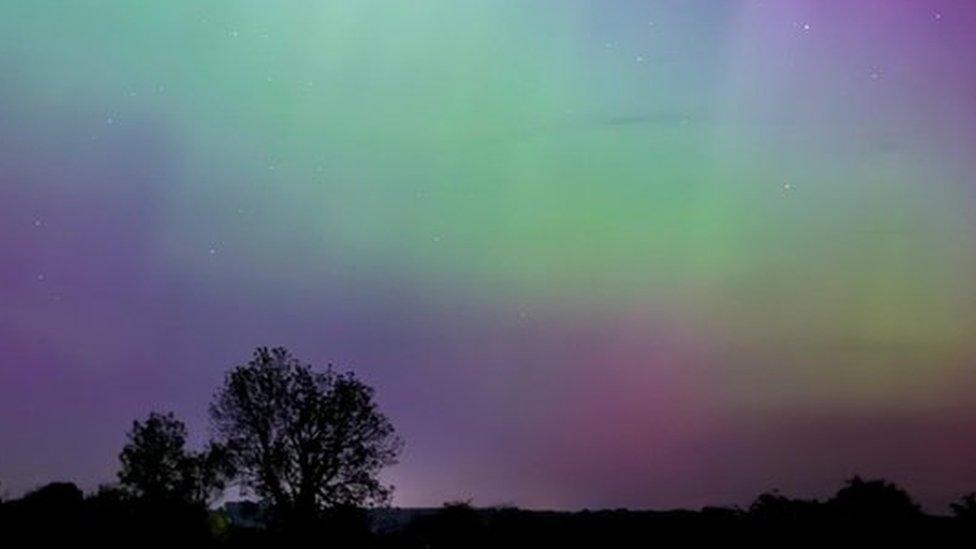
{"x":871,"y":500}
{"x":304,"y":440}
{"x":965,"y":508}
{"x":156,"y":464}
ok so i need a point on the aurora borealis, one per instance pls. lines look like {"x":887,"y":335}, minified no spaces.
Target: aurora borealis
{"x":589,"y":252}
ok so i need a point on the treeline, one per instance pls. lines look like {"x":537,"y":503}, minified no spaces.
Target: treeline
{"x":861,"y":510}
{"x":308,"y":444}
{"x":111,"y":516}
{"x":306,"y":448}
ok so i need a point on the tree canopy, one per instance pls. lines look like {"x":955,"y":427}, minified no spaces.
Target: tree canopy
{"x":302,"y":439}
{"x":156,"y":464}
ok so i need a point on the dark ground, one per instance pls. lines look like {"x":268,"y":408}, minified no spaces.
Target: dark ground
{"x":869,"y":512}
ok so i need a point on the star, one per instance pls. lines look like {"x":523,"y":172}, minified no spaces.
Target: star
{"x":212,"y":251}
{"x":38,"y":222}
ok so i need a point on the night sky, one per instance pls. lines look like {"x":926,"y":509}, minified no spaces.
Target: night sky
{"x":590,"y":253}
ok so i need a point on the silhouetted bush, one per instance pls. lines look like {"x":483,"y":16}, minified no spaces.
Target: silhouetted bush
{"x":50,"y":513}
{"x":873,"y":501}
{"x":775,"y":507}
